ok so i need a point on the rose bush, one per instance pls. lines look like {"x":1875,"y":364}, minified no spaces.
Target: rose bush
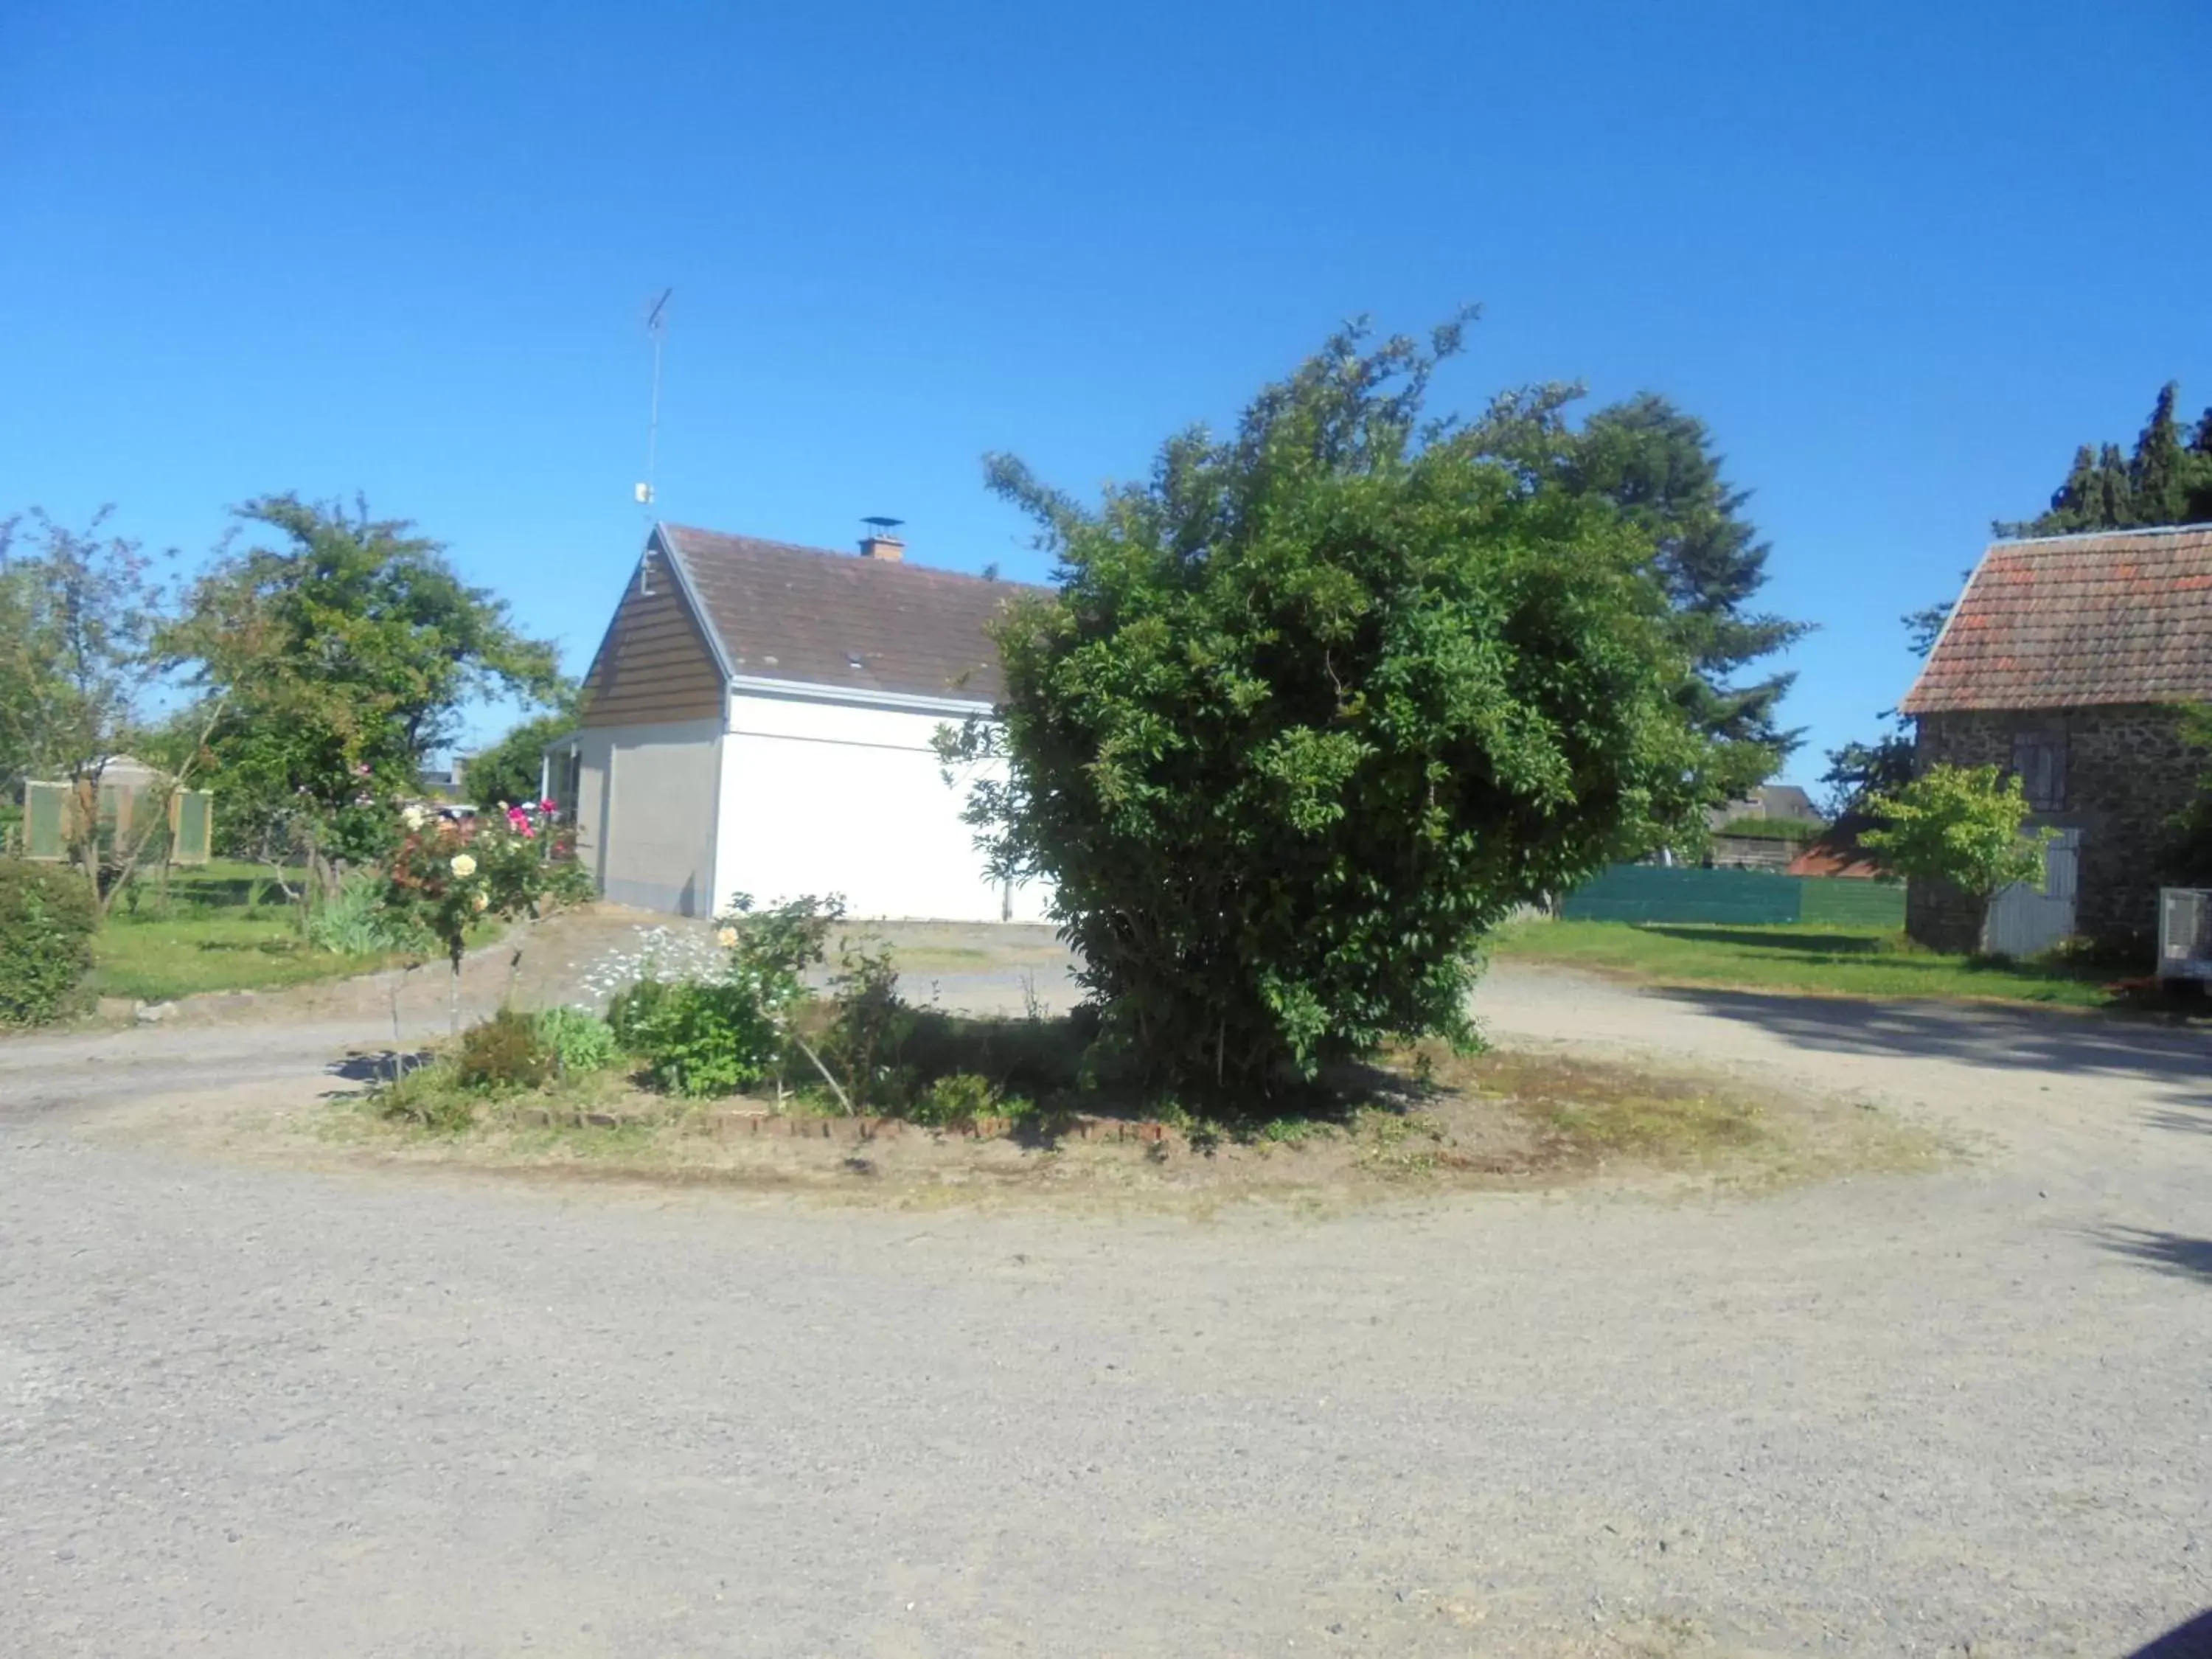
{"x":447,"y":875}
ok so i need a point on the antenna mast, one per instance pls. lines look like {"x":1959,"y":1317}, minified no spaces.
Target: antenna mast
{"x":656,"y":328}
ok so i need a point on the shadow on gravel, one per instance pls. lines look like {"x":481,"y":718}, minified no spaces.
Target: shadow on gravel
{"x":2169,"y":1253}
{"x":2003,"y":1038}
{"x":377,"y":1067}
{"x":2191,"y":1641}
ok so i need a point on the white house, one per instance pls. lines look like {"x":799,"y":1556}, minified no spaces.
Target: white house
{"x":759,"y":719}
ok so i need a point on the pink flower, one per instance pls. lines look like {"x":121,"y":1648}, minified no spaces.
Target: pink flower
{"x":545,"y":806}
{"x":362,"y":770}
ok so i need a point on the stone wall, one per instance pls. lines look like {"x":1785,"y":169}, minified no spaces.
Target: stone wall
{"x":2126,"y":771}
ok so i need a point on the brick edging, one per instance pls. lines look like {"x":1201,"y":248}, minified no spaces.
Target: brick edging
{"x":750,"y":1125}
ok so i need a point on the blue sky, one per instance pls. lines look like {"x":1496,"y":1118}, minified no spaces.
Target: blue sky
{"x":1901,"y":258}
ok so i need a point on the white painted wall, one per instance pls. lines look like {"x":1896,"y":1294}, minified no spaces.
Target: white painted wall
{"x":821,"y":797}
{"x":645,"y":808}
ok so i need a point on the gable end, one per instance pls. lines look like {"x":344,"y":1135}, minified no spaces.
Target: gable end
{"x":655,"y":664}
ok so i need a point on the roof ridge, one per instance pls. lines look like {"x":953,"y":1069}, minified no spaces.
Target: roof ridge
{"x":2203,"y":528}
{"x":831,"y":553}
{"x":2100,"y":618}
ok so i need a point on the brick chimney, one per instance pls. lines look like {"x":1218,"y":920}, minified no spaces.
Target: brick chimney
{"x":882,"y":541}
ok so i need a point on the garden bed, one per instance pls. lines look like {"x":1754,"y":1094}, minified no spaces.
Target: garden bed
{"x":1428,"y":1122}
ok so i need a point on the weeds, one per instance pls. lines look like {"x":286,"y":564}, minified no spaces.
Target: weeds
{"x":354,"y":922}
{"x":580,"y":1043}
{"x":503,"y":1055}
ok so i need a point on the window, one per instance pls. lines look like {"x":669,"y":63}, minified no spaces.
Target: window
{"x":2039,"y":759}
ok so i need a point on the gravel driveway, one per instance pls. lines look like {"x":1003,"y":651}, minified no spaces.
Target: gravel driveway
{"x":253,"y":1411}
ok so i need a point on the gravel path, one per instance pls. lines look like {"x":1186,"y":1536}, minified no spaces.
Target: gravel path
{"x":264,"y":1412}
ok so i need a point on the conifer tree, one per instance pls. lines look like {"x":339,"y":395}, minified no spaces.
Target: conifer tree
{"x":2165,"y":482}
{"x":2156,"y":487}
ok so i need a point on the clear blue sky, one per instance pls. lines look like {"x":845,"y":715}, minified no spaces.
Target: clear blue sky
{"x":1902,"y":258}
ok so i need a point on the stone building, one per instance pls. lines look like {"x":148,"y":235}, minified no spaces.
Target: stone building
{"x":2066,"y":662}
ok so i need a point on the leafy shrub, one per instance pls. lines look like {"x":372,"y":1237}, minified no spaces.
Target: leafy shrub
{"x":957,"y":1097}
{"x":704,"y":1040}
{"x":429,"y":1098}
{"x":1961,"y":824}
{"x":47,"y":923}
{"x":1314,"y":710}
{"x":503,"y":1054}
{"x":870,"y":1026}
{"x":631,"y":1010}
{"x":579,"y":1042}
{"x":567,"y":884}
{"x":354,"y":922}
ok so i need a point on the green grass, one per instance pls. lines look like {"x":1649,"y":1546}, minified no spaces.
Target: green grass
{"x":157,"y":961}
{"x":1817,"y":957}
{"x":203,"y":931}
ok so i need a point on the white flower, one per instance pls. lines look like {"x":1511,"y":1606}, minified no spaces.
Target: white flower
{"x":727,"y":937}
{"x":414,"y":817}
{"x":480,"y":902}
{"x":464,"y":864}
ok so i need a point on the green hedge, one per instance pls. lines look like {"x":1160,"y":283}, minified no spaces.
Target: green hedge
{"x":47,"y":925}
{"x":1771,"y":829}
{"x":1756,"y":898}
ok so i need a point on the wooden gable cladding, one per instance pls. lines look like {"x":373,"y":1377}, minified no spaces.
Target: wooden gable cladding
{"x":655,"y":665}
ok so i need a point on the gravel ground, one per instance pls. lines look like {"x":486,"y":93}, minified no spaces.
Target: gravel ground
{"x":255,"y":1412}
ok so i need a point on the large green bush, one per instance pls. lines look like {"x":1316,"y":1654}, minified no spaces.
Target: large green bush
{"x":47,"y":923}
{"x":1312,"y":710}
{"x":705,"y":1040}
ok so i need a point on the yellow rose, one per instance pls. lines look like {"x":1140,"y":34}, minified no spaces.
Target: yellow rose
{"x":464,"y":864}
{"x":727,"y":937}
{"x":479,"y":903}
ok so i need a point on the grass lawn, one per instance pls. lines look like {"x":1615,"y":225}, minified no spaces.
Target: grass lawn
{"x":213,"y":950}
{"x":222,"y":927}
{"x":1820,"y":958}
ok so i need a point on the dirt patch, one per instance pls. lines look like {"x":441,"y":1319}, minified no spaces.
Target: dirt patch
{"x":1434,"y":1123}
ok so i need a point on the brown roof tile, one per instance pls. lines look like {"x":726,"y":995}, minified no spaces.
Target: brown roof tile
{"x":817,"y":617}
{"x":2078,"y":620}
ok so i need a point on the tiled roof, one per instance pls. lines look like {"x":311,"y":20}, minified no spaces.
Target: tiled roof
{"x":2078,"y":620}
{"x":817,"y":617}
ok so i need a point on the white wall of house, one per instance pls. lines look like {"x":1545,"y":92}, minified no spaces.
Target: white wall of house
{"x":645,"y":806}
{"x":832,"y":797}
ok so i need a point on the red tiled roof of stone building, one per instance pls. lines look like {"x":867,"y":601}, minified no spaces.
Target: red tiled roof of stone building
{"x":2123,"y":616}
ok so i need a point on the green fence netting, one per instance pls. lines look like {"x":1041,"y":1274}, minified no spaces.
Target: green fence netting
{"x":1755,"y":898}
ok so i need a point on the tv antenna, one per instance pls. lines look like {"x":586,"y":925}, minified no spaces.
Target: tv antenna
{"x":656,"y":329}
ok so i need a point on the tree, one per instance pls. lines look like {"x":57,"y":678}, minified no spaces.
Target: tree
{"x":1656,"y":466}
{"x":79,"y":614}
{"x":1312,"y":711}
{"x":511,"y":769}
{"x":1857,"y":772}
{"x":2188,"y":861}
{"x":1923,"y":627}
{"x":343,"y":654}
{"x":2157,"y":485}
{"x":2164,"y":482}
{"x":1958,"y":824}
